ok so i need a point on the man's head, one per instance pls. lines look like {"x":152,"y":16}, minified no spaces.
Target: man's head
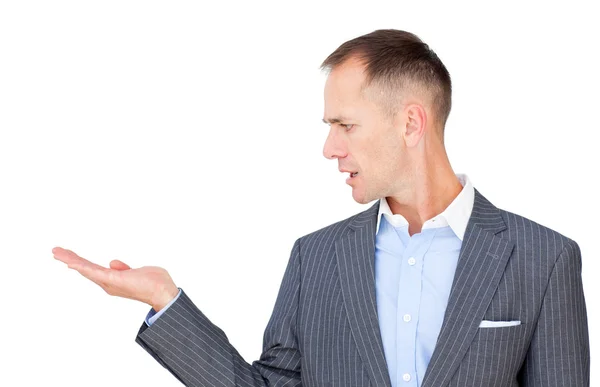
{"x":387,"y":99}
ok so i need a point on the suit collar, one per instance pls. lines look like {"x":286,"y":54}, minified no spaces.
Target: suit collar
{"x":367,"y":218}
{"x":485,"y":215}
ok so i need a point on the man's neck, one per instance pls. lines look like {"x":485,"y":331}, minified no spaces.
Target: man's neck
{"x":429,"y":197}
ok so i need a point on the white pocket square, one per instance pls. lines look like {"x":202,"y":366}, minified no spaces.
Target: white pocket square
{"x":498,"y":324}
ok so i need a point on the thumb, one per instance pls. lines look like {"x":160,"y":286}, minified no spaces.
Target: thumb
{"x":118,"y":265}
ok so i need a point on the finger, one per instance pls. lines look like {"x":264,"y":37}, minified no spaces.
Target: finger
{"x":71,"y":259}
{"x":66,"y":256}
{"x":118,"y":265}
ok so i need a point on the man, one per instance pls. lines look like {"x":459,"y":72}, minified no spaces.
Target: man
{"x":431,"y":286}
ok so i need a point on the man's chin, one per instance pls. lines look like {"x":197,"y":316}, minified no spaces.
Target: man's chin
{"x":360,"y":197}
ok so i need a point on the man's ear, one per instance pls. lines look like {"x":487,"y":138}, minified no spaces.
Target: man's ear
{"x":416,"y":121}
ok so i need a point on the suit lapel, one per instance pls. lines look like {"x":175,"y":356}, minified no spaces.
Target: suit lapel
{"x":356,"y":259}
{"x":482,"y":260}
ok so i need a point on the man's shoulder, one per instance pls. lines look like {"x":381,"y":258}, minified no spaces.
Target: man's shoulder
{"x":528,"y":233}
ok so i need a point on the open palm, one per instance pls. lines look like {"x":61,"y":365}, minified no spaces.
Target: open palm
{"x":149,"y":284}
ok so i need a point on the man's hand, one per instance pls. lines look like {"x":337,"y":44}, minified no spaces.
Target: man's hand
{"x":149,"y":284}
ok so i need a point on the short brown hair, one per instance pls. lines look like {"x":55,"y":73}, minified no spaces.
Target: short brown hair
{"x":396,"y":60}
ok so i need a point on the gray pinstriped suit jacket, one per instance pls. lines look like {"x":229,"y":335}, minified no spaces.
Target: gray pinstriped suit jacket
{"x":324,"y":329}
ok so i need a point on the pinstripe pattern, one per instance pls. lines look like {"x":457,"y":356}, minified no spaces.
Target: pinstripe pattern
{"x":324,"y":329}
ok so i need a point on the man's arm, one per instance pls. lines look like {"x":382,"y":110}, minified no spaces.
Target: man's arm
{"x":198,"y":353}
{"x":559,"y":354}
{"x":185,"y":342}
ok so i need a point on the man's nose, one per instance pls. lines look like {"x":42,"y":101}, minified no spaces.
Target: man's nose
{"x":333,"y":147}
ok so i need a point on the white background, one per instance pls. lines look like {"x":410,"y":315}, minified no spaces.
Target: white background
{"x":188,"y":135}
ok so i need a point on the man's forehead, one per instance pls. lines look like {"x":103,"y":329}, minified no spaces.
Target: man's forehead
{"x":342,"y":91}
{"x":339,"y":105}
{"x":348,"y":75}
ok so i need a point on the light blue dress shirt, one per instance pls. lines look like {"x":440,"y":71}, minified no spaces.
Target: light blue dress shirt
{"x":413,"y":278}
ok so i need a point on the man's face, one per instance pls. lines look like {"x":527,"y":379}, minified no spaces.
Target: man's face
{"x":363,"y":138}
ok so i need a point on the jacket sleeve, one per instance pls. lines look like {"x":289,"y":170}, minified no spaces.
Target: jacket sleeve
{"x":559,"y":354}
{"x":198,"y":353}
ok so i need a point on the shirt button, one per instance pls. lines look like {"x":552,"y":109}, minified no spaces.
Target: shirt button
{"x":406,"y":377}
{"x":412,"y":261}
{"x":406,"y":318}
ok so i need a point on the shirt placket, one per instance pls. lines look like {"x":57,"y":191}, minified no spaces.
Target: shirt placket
{"x":409,"y":299}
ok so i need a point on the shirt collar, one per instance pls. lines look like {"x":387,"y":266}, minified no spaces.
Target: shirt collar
{"x":456,"y":215}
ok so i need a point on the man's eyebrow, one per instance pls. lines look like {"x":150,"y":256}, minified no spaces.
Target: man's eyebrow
{"x":334,"y":120}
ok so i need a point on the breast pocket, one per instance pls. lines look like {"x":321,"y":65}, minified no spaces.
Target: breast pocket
{"x":507,"y":333}
{"x":494,"y":355}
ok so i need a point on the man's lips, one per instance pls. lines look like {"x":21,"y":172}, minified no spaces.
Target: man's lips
{"x":352,"y":173}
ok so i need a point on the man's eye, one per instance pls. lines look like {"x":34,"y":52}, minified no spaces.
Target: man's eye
{"x":348,"y":126}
